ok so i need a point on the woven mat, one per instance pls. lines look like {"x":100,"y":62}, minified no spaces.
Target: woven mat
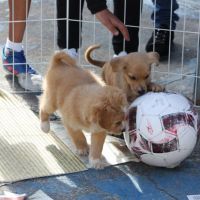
{"x":25,"y":151}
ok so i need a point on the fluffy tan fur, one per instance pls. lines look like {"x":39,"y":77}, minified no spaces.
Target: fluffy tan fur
{"x":85,"y":103}
{"x":130,"y":73}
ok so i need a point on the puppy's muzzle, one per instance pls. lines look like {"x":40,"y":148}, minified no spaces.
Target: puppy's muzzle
{"x":123,"y":130}
{"x":141,"y":91}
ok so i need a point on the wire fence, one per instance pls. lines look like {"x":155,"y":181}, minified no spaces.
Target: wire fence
{"x":179,"y":72}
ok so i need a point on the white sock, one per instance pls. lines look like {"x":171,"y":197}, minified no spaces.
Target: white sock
{"x":13,"y":45}
{"x":72,"y":52}
{"x":122,"y":53}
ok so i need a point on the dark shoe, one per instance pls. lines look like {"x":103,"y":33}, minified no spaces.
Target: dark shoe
{"x":161,"y":42}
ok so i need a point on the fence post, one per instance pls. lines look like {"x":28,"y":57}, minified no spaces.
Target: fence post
{"x":197,"y":81}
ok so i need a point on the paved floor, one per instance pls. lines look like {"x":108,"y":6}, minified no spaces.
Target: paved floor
{"x":123,"y":182}
{"x":130,"y":180}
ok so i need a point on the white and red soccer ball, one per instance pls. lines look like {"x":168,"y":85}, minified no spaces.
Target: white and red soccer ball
{"x":162,"y":128}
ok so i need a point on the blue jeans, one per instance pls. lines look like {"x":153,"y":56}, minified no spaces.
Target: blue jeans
{"x":163,"y":13}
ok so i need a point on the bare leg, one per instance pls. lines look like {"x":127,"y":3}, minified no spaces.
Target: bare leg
{"x":97,"y":142}
{"x":79,"y":140}
{"x":18,"y":11}
{"x":14,"y":60}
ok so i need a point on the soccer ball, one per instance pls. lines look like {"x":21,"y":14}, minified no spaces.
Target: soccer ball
{"x":162,"y":128}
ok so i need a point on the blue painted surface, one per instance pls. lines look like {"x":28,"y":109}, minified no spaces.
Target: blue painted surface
{"x":123,"y":182}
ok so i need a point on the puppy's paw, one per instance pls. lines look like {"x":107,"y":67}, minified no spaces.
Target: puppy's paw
{"x":155,"y":87}
{"x":96,"y":163}
{"x":45,"y":126}
{"x":83,"y":151}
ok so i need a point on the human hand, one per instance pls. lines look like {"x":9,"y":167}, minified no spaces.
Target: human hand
{"x":112,"y":23}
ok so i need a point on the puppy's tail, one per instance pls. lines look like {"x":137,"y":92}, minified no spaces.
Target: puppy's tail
{"x":60,"y":57}
{"x":88,"y":56}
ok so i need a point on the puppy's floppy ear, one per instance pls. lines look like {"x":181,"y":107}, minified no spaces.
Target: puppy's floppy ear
{"x":95,"y":113}
{"x":153,"y":58}
{"x":101,"y":116}
{"x":98,"y":116}
{"x":117,"y":64}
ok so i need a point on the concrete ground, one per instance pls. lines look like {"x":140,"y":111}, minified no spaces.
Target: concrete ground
{"x":125,"y":181}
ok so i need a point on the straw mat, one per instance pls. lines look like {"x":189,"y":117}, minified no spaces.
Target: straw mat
{"x":25,"y":151}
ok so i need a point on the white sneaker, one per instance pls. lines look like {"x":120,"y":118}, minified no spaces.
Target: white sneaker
{"x":122,"y":53}
{"x":31,"y":82}
{"x":72,"y":52}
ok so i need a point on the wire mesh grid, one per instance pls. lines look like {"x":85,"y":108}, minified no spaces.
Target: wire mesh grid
{"x":179,"y":72}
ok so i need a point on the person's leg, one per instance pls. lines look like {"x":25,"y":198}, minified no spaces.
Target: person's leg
{"x":132,"y":19}
{"x":19,"y":10}
{"x":165,"y":20}
{"x":72,"y":23}
{"x":13,"y":57}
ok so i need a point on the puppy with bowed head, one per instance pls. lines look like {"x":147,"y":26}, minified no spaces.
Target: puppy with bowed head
{"x":85,"y":103}
{"x":131,"y":72}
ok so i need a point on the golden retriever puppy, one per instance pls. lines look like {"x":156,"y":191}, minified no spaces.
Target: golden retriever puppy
{"x":85,"y":103}
{"x":131,"y":72}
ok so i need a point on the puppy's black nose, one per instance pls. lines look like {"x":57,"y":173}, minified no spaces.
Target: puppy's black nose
{"x":141,"y":92}
{"x":123,"y":130}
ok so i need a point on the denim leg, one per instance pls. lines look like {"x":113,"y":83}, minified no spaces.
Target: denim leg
{"x":163,"y":13}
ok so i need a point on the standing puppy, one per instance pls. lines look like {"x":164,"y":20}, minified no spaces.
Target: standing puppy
{"x":131,"y":73}
{"x":84,"y":102}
